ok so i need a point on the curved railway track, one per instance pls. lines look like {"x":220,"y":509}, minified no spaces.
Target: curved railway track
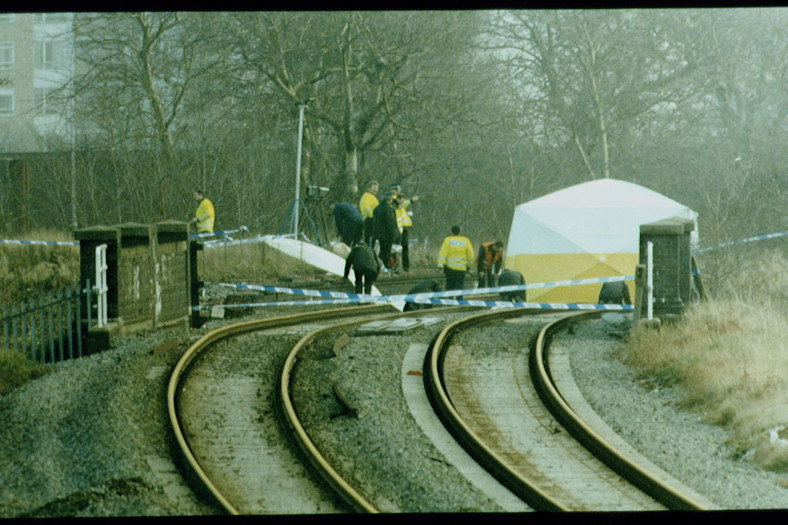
{"x":447,"y":367}
{"x":479,"y":412}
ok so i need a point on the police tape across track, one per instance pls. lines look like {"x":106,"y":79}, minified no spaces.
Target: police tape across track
{"x":45,"y":243}
{"x":438,"y":298}
{"x":225,"y":240}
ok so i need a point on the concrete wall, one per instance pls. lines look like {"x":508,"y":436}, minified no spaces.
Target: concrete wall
{"x":148,"y":276}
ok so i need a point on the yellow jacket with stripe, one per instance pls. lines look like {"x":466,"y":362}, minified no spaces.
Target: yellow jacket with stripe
{"x":403,"y":216}
{"x":367,"y":205}
{"x":456,"y":253}
{"x":205,"y":216}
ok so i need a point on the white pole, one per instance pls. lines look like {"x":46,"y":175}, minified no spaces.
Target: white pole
{"x":73,"y":129}
{"x":301,"y":107}
{"x":649,"y":280}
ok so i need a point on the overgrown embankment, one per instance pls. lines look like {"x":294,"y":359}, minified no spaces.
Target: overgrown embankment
{"x":728,"y":356}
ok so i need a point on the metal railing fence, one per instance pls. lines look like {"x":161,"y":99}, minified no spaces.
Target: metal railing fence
{"x":47,"y":328}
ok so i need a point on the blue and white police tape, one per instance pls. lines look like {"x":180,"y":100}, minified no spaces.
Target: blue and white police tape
{"x":221,"y":242}
{"x":223,"y":233}
{"x":441,"y":302}
{"x":743,"y":241}
{"x":439,"y":298}
{"x":46,"y":243}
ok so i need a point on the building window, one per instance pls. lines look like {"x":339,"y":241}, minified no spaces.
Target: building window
{"x":6,"y":102}
{"x":6,"y":55}
{"x":48,"y":55}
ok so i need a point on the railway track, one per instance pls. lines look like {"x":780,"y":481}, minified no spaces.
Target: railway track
{"x":526,"y":433}
{"x":318,"y":394}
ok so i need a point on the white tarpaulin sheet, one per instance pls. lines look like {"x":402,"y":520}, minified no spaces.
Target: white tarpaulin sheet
{"x":587,"y":230}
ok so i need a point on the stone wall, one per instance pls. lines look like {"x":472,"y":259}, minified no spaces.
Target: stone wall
{"x":148,"y":276}
{"x":672,"y":273}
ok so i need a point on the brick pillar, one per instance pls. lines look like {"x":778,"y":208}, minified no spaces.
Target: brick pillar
{"x":672,"y":264}
{"x":136,"y":279}
{"x":172,"y":274}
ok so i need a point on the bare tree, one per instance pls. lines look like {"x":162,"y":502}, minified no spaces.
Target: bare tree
{"x":591,"y":75}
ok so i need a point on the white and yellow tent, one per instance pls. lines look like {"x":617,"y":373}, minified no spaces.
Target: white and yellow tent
{"x":584,"y":231}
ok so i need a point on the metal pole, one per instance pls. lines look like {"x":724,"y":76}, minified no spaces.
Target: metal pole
{"x":301,"y":107}
{"x":73,"y":127}
{"x":649,"y":280}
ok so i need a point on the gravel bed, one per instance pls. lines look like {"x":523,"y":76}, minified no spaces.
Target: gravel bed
{"x":373,"y":441}
{"x":649,"y":419}
{"x":86,"y":439}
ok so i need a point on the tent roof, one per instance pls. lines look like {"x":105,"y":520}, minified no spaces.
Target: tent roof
{"x":600,"y":216}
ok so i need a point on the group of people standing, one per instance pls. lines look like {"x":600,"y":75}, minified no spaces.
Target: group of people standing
{"x":384,"y":222}
{"x":374,"y":223}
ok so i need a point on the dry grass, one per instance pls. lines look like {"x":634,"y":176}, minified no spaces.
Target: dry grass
{"x":250,"y":263}
{"x":257,"y":263}
{"x":31,"y":270}
{"x":728,"y":356}
{"x":16,"y":370}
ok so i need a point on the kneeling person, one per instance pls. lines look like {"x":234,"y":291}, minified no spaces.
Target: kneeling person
{"x":510,"y":278}
{"x":428,"y":286}
{"x":615,"y":292}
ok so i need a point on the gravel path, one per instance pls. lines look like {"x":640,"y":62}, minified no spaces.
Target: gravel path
{"x":86,"y":439}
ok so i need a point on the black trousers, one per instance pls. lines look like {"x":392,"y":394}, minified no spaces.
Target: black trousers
{"x":385,"y":249}
{"x":364,"y":280}
{"x":369,"y":228}
{"x":455,"y":280}
{"x":405,"y":253}
{"x":486,"y":279}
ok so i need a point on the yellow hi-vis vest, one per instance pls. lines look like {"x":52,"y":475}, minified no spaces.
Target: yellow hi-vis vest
{"x":205,"y":216}
{"x":403,"y":216}
{"x":367,"y":205}
{"x":456,"y":253}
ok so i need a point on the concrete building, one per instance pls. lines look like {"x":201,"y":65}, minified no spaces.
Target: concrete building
{"x":36,"y":63}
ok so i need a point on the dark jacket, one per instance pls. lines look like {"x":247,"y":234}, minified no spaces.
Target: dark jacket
{"x":429,"y":285}
{"x":385,"y":222}
{"x":348,"y":222}
{"x":615,"y":292}
{"x":509,"y":278}
{"x":362,"y":259}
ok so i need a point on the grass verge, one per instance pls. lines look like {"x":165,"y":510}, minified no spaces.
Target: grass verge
{"x":728,"y":357}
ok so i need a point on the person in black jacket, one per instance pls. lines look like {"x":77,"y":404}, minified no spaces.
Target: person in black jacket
{"x":426,"y":286}
{"x":509,"y":278}
{"x":365,"y":267}
{"x":615,"y":292}
{"x":347,"y":219}
{"x":386,"y":230}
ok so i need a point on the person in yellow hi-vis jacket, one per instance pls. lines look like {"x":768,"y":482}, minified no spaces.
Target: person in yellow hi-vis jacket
{"x":204,"y":215}
{"x":367,"y":205}
{"x":456,"y":257}
{"x":404,"y":223}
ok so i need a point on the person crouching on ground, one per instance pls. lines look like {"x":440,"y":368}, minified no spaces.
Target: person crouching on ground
{"x":366,"y":267}
{"x":614,"y":292}
{"x":509,"y":278}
